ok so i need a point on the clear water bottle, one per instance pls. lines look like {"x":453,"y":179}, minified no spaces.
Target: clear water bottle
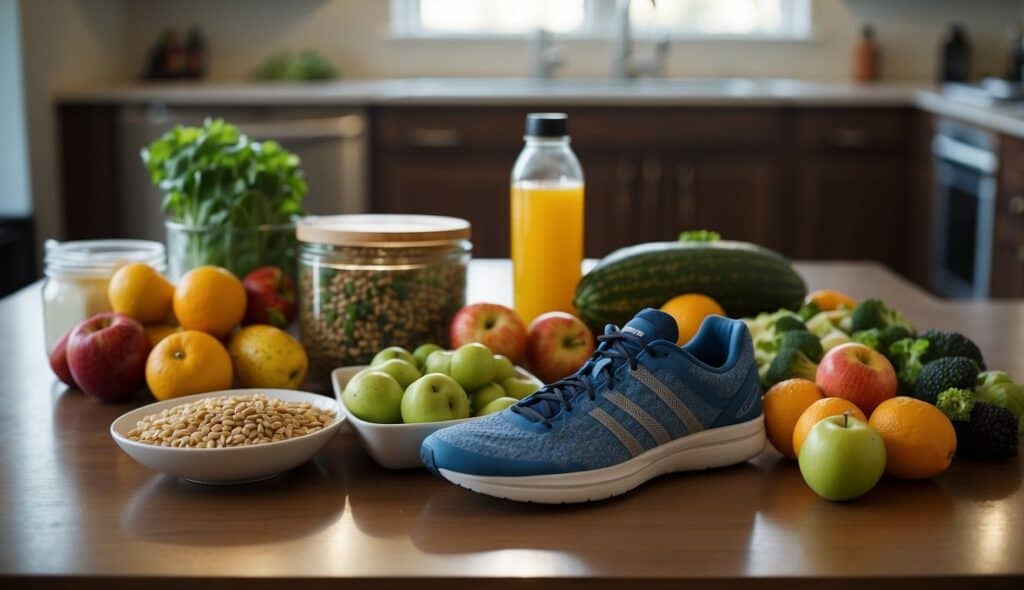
{"x":547,"y":218}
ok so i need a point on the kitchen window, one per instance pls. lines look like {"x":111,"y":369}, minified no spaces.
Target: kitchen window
{"x":735,"y":19}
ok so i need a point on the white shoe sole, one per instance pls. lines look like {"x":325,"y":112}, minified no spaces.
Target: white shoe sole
{"x":717,"y":447}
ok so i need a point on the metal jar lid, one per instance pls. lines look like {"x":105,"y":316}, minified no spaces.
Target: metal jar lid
{"x":382,"y":230}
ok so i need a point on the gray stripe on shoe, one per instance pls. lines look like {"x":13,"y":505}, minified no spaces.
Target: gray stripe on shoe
{"x":627,"y":439}
{"x":652,"y":426}
{"x":675,"y":404}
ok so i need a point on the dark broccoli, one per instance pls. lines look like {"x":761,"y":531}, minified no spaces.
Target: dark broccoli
{"x":788,"y":323}
{"x":991,"y":433}
{"x":873,"y":313}
{"x":808,"y":310}
{"x":805,"y":342}
{"x":956,"y":404}
{"x":944,"y":344}
{"x":905,"y":356}
{"x":790,"y":363}
{"x":955,"y":372}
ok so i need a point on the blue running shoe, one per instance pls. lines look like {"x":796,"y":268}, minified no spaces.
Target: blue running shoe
{"x":640,"y":407}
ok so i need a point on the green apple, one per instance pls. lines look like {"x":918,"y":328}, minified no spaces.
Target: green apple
{"x":472,"y":365}
{"x":503,"y":367}
{"x":497,"y":405}
{"x":403,"y":371}
{"x":518,"y":387}
{"x":439,"y":361}
{"x":374,"y":396}
{"x":433,"y":398}
{"x":392,"y":352}
{"x":422,"y":352}
{"x":485,"y":395}
{"x":842,"y":458}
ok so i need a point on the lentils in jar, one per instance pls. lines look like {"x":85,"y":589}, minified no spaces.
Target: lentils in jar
{"x":389,"y":280}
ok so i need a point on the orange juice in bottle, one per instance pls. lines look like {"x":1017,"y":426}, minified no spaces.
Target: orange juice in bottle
{"x":547,"y":218}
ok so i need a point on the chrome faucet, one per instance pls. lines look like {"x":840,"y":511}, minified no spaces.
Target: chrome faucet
{"x":545,"y":58}
{"x":624,"y":64}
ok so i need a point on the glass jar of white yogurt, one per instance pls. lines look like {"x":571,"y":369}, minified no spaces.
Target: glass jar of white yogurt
{"x":77,"y":274}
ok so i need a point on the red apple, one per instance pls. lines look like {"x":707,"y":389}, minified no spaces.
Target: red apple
{"x":107,"y":356}
{"x":859,"y":374}
{"x":269,"y":296}
{"x":557,"y":345}
{"x":495,"y":326}
{"x":59,"y":361}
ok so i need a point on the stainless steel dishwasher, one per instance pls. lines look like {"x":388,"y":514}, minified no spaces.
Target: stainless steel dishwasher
{"x":330,"y":142}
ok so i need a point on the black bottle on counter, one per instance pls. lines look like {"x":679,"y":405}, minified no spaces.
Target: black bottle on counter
{"x":195,"y":54}
{"x":1015,"y":69}
{"x":956,"y":57}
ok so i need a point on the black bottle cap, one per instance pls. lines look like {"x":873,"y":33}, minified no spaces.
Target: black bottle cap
{"x":547,"y":124}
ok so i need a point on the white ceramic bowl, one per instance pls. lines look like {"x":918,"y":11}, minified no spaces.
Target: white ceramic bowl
{"x":233,"y":465}
{"x":394,"y":446}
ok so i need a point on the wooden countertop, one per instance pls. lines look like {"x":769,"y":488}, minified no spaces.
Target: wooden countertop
{"x":77,"y":509}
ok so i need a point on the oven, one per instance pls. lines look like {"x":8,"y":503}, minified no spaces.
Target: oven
{"x":963,"y":221}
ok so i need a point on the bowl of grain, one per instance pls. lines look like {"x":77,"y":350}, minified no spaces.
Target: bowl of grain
{"x":229,"y":437}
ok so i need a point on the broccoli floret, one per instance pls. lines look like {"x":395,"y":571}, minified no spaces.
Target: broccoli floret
{"x":871,"y":338}
{"x":991,"y":433}
{"x":944,"y":344}
{"x":834,"y":338}
{"x":955,"y":372}
{"x":803,"y":341}
{"x":891,"y":334}
{"x":790,"y":363}
{"x":788,"y":323}
{"x":873,"y":313}
{"x":905,"y":356}
{"x":956,"y":404}
{"x":765,"y":321}
{"x":808,"y":310}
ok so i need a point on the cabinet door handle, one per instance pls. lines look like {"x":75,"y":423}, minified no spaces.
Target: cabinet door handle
{"x":686,"y":205}
{"x":1017,"y":205}
{"x":425,"y":137}
{"x":849,"y":137}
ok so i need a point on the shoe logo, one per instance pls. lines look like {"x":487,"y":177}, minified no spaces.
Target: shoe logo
{"x":632,"y":330}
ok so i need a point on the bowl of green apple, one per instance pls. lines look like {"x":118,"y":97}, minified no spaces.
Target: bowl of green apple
{"x":402,"y":397}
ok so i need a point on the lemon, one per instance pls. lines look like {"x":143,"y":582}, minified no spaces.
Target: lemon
{"x":265,"y":356}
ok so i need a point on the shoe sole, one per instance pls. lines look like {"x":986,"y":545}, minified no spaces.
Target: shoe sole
{"x":718,"y":447}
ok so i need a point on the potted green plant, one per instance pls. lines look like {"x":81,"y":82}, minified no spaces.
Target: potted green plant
{"x":230,"y":201}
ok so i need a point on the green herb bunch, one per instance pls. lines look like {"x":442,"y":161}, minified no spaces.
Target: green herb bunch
{"x":226,"y":190}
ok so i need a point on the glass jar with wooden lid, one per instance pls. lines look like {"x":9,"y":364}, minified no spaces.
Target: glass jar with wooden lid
{"x":367,"y":282}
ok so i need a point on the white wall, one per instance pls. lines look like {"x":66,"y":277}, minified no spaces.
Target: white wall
{"x":65,"y":43}
{"x":354,"y":33}
{"x":15,"y":194}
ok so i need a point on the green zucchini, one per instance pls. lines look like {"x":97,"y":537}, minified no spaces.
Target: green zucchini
{"x":743,"y":278}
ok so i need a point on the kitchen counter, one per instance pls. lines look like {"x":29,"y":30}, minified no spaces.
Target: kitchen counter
{"x":575,"y":92}
{"x":78,"y":510}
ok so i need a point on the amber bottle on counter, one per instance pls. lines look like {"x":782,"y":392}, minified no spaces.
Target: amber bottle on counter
{"x":865,"y":56}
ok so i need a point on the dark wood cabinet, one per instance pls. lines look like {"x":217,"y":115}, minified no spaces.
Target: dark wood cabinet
{"x":650,"y":173}
{"x":853,"y":185}
{"x":1007,"y":271}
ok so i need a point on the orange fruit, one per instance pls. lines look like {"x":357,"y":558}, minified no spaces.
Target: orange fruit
{"x":157,"y":332}
{"x":830,"y":300}
{"x":819,"y":410}
{"x":784,"y":403}
{"x":919,"y":438}
{"x":689,"y":312}
{"x":137,"y":290}
{"x":187,"y":362}
{"x":265,"y":356}
{"x":209,"y":299}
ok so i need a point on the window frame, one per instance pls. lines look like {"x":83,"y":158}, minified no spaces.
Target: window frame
{"x":403,"y":24}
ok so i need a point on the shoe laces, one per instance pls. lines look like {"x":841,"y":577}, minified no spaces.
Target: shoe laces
{"x":547,"y":402}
